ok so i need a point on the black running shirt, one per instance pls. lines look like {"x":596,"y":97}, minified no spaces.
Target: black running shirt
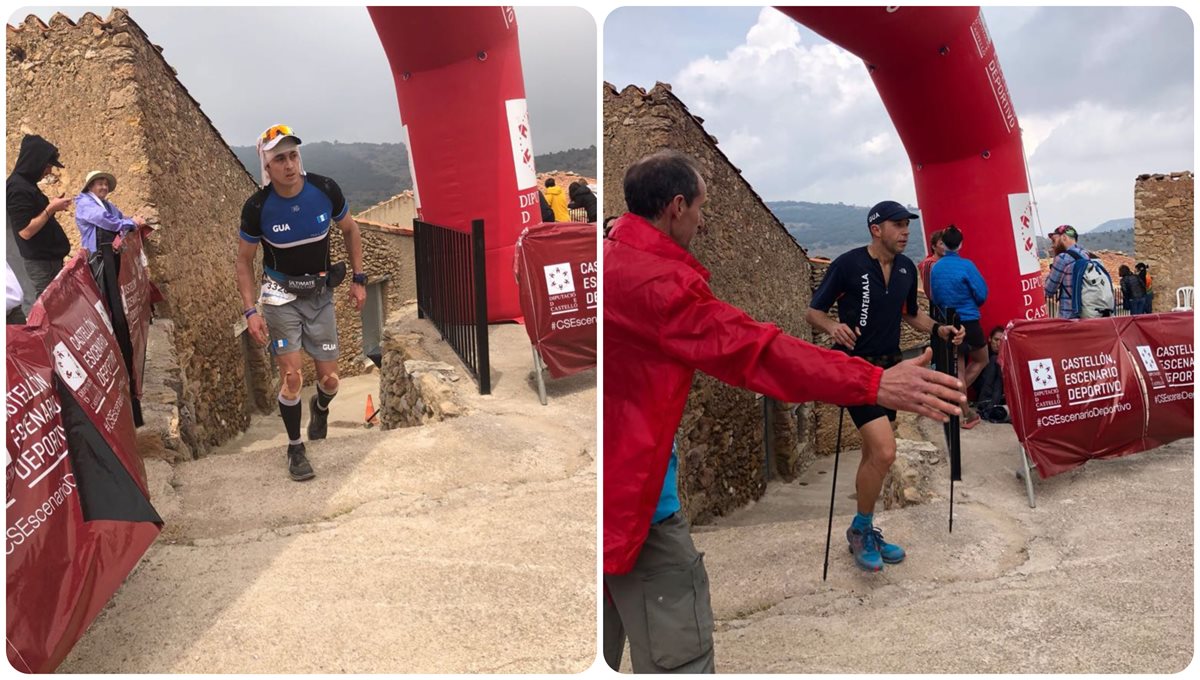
{"x":855,"y":282}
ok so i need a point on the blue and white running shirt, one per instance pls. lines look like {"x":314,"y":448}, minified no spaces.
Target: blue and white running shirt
{"x":294,"y":232}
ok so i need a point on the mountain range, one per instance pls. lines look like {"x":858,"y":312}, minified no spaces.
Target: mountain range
{"x":369,"y":173}
{"x":830,"y":229}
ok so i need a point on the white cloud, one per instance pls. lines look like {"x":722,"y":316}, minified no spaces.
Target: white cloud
{"x":819,"y":130}
{"x":803,"y":121}
{"x":1085,"y":159}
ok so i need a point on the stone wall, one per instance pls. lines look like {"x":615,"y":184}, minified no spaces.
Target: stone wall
{"x":388,"y":250}
{"x":104,"y":95}
{"x":755,"y":265}
{"x":384,"y":255}
{"x":102,"y":92}
{"x":413,"y":389}
{"x":398,"y":210}
{"x":1163,"y":232}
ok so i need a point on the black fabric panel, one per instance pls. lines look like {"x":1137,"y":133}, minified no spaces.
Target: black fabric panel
{"x":106,"y":488}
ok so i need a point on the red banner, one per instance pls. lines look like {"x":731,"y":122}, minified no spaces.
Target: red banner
{"x":556,"y":272}
{"x":1081,"y":390}
{"x":42,"y":506}
{"x":78,"y":514}
{"x":79,"y":337}
{"x":1163,"y":347}
{"x":136,"y":297}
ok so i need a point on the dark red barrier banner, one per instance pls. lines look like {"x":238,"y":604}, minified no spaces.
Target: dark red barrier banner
{"x":42,"y":506}
{"x":86,"y":357}
{"x":1080,"y":390}
{"x":134,"y":281}
{"x":78,"y":515}
{"x":1163,"y":346}
{"x":556,"y":272}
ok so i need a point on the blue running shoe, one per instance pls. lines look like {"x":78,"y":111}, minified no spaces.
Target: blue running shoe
{"x":865,"y":548}
{"x":890,"y":552}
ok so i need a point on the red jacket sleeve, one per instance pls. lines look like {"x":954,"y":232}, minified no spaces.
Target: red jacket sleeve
{"x":715,"y":337}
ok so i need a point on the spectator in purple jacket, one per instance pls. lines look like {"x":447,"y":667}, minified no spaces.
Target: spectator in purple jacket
{"x":100,"y":221}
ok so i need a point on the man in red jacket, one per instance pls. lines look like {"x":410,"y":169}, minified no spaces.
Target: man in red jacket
{"x":661,"y":324}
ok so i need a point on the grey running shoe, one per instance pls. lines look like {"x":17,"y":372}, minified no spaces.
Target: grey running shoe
{"x":298,"y":466}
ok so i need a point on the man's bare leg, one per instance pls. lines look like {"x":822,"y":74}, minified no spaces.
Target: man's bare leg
{"x":969,"y":372}
{"x":878,"y":454}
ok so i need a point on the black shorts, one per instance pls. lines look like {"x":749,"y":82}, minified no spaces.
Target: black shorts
{"x":861,"y":415}
{"x":975,"y":338}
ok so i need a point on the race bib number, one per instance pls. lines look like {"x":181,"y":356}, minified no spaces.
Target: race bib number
{"x":273,"y":294}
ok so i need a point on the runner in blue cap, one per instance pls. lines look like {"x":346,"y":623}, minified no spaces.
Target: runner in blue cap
{"x":875,"y":288}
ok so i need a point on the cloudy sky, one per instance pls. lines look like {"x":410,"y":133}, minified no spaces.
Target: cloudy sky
{"x":322,"y":70}
{"x":1102,"y":94}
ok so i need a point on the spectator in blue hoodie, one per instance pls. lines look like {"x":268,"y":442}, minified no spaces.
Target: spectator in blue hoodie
{"x":955,"y":283}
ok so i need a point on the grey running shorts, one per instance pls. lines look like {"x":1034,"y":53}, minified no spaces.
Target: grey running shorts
{"x":306,"y":323}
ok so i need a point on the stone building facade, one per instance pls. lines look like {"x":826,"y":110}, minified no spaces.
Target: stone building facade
{"x":102,"y":92}
{"x":756,"y":265}
{"x":399,"y":210}
{"x":105,"y":96}
{"x":1163,"y":232}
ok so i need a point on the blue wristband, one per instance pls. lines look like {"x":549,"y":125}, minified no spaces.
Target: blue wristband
{"x":250,"y":312}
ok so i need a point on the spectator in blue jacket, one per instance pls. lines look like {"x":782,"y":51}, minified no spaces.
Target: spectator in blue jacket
{"x":955,"y":283}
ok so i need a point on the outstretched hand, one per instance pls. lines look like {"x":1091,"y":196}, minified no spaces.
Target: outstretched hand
{"x":912,"y":386}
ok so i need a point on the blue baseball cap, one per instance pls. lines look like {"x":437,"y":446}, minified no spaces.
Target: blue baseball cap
{"x":889,"y":210}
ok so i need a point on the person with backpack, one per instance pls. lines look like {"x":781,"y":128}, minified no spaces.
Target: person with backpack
{"x":1083,"y":286}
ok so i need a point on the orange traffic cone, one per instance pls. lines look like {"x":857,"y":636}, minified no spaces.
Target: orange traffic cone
{"x":371,"y":417}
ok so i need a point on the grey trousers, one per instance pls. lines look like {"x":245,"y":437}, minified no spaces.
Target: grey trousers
{"x":662,"y":606}
{"x":41,"y":273}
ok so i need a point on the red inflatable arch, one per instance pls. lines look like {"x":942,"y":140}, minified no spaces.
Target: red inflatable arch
{"x":462,"y":100}
{"x":937,"y":73}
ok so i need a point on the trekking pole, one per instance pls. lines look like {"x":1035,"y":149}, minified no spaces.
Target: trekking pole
{"x":952,"y":431}
{"x":837,"y":452}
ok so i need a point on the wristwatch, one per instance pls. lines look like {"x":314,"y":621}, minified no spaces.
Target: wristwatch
{"x":360,"y":278}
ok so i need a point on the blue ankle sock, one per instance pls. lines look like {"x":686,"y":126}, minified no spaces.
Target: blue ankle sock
{"x":861,"y":522}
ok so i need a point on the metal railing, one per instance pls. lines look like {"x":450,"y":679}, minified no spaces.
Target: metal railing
{"x":452,"y":292}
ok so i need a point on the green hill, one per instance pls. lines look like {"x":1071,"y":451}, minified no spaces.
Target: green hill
{"x":1119,"y":241}
{"x":830,"y":229}
{"x":370,"y":173}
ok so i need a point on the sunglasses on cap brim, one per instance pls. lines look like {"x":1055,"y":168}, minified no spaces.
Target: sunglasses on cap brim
{"x":276,"y":131}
